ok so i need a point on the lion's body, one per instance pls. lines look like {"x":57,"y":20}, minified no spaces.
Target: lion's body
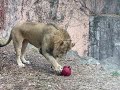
{"x":32,"y":32}
{"x":51,"y":41}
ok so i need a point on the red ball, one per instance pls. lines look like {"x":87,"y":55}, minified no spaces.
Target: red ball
{"x":66,"y":71}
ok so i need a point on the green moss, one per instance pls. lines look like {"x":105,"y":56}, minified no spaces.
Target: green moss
{"x":115,"y":73}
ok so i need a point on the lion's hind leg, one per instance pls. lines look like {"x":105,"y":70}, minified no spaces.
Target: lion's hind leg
{"x":17,"y":41}
{"x":24,"y":45}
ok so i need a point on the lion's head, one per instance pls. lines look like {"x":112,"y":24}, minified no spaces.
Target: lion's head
{"x":62,"y":43}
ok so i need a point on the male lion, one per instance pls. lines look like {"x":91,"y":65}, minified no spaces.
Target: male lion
{"x":52,"y":42}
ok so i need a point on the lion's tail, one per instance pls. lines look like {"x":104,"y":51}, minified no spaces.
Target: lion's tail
{"x":10,"y":38}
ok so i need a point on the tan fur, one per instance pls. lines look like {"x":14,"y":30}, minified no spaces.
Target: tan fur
{"x":52,"y":41}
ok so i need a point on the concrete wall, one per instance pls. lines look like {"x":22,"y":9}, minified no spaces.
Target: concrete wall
{"x":104,"y":36}
{"x":104,"y":29}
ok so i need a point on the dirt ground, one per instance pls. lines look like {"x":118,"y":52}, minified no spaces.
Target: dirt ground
{"x":40,"y":76}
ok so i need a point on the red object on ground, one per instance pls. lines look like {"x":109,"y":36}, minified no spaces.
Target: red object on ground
{"x":66,"y":71}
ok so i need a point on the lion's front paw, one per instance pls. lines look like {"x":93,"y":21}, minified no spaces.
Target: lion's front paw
{"x":58,"y":69}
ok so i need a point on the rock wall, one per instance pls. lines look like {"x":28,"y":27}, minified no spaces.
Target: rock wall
{"x":60,"y":12}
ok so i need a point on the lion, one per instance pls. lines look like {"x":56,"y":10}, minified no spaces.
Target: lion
{"x":52,"y":41}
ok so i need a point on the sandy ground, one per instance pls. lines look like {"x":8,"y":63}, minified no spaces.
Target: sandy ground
{"x":40,"y":76}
